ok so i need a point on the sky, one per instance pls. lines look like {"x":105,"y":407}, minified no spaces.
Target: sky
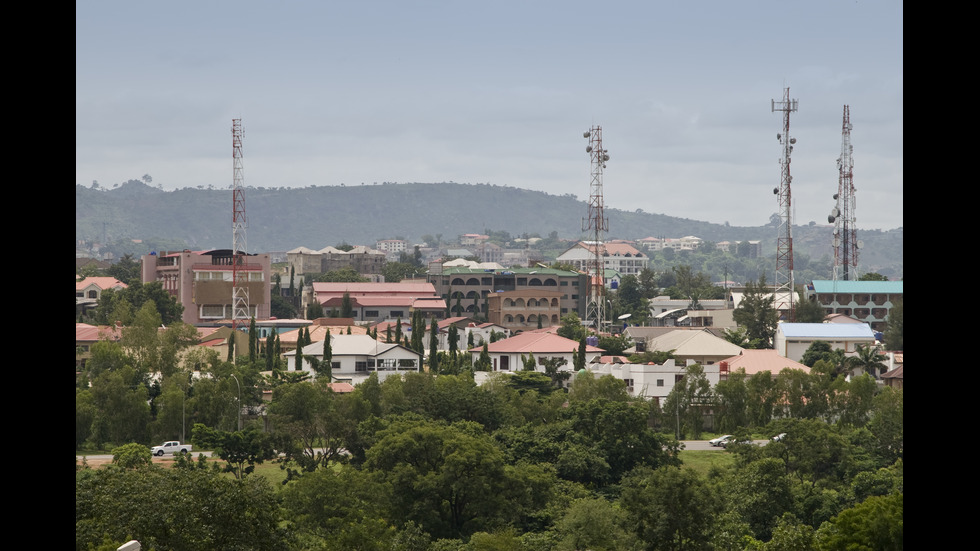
{"x":501,"y":92}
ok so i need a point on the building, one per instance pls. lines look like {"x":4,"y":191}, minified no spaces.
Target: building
{"x":866,"y":301}
{"x":361,"y":259}
{"x":392,"y":246}
{"x":201,"y":281}
{"x":793,"y":339}
{"x":373,"y":302}
{"x":508,"y":354}
{"x":757,"y":361}
{"x":355,"y":357}
{"x":621,"y":257}
{"x":528,"y":308}
{"x":467,"y":290}
{"x":652,"y":381}
{"x":688,"y":243}
{"x":691,"y":346}
{"x":88,"y":291}
{"x":666,"y":311}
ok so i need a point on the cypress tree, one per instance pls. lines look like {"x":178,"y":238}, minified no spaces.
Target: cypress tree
{"x":327,"y":362}
{"x":433,"y":346}
{"x":231,"y":347}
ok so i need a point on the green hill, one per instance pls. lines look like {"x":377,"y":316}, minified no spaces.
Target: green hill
{"x":281,"y":219}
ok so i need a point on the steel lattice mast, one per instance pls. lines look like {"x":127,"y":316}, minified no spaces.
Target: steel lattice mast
{"x":597,"y":223}
{"x":785,"y":285}
{"x":240,"y":312}
{"x":843,"y":214}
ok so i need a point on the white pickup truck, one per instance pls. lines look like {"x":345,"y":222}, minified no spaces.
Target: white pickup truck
{"x":173,"y":447}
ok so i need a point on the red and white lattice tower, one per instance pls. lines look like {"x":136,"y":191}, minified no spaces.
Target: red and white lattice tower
{"x":785,"y":286}
{"x":597,"y":223}
{"x":845,"y":223}
{"x":240,"y":312}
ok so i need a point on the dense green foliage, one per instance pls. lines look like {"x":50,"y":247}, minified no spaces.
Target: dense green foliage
{"x":435,"y":462}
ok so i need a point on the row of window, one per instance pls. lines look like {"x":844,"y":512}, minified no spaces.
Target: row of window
{"x":225,"y":275}
{"x":222,"y":311}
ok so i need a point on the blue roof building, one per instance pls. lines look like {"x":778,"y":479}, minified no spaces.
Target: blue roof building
{"x":793,"y":339}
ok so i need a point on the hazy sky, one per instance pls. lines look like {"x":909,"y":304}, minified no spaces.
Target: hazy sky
{"x":500,"y":92}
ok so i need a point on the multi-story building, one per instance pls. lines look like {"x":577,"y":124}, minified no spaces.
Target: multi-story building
{"x":392,"y":246}
{"x":467,"y":290}
{"x":361,"y":259}
{"x":867,"y":301}
{"x":525,"y":309}
{"x":201,"y":281}
{"x":622,"y":257}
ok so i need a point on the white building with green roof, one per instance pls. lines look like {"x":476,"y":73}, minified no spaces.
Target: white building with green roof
{"x":867,"y":301}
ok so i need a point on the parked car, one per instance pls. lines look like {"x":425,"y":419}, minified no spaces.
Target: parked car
{"x":778,"y":437}
{"x":720,"y":441}
{"x":731,"y":441}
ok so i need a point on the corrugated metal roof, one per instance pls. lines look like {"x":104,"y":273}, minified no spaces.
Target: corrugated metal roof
{"x":827,"y":330}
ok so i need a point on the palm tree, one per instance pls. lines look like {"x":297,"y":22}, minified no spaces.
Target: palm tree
{"x":868,"y":358}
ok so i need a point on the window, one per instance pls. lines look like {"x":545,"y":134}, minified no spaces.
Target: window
{"x":212,"y":310}
{"x":396,"y":314}
{"x":370,"y":313}
{"x":360,"y":366}
{"x":660,"y":382}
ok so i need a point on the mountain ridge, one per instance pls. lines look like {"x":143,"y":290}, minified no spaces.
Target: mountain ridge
{"x":280,"y":219}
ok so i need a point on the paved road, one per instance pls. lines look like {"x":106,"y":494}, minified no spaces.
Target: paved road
{"x":702,"y":445}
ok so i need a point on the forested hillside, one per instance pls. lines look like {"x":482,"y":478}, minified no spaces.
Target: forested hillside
{"x":281,"y":219}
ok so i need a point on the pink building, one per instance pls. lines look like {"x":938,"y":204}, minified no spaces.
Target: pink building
{"x":202,"y":282}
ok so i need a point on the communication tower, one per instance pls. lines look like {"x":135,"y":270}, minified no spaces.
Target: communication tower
{"x":846,"y":243}
{"x":597,"y":223}
{"x":785,"y":287}
{"x":240,"y":312}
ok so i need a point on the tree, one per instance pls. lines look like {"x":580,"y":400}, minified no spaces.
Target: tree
{"x":346,"y":306}
{"x":483,"y":363}
{"x":869,"y":358}
{"x":326,"y":364}
{"x":433,"y":346}
{"x":894,"y":329}
{"x":670,"y":508}
{"x":875,"y":523}
{"x":241,"y":450}
{"x":757,"y":313}
{"x":809,"y":311}
{"x":572,"y":328}
{"x":180,"y":508}
{"x":529,"y":363}
{"x":132,"y":456}
{"x":872,"y":276}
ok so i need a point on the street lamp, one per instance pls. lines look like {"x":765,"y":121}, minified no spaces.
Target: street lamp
{"x":239,"y":401}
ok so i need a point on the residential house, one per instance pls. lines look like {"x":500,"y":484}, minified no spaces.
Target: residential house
{"x":621,"y":257}
{"x":793,"y":339}
{"x":202,"y":281}
{"x":652,"y":381}
{"x":88,"y":291}
{"x":86,"y":335}
{"x":755,"y":361}
{"x":373,"y":302}
{"x":508,"y":354}
{"x":356,"y":357}
{"x":694,"y":346}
